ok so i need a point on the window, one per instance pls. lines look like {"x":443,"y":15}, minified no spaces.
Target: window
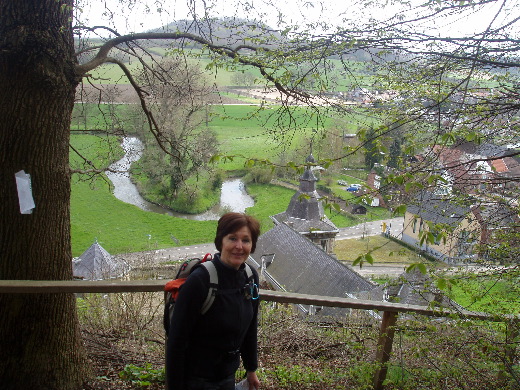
{"x":324,"y":245}
{"x":464,"y":243}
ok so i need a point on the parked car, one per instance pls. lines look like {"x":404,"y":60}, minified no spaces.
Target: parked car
{"x":354,"y":187}
{"x":342,"y":183}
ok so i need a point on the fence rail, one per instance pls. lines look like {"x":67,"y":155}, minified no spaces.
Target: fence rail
{"x":390,"y":310}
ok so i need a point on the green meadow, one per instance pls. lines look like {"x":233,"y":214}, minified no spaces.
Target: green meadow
{"x":485,"y":294}
{"x":120,"y":227}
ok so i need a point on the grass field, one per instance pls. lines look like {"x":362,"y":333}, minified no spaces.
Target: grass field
{"x":387,"y":251}
{"x":485,"y":293}
{"x":119,"y":227}
{"x":342,"y":75}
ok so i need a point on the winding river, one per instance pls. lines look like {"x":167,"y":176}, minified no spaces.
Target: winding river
{"x":233,"y":195}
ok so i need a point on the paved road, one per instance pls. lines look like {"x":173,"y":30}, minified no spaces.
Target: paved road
{"x":371,"y":229}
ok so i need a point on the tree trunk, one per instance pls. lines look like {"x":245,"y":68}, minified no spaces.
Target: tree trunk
{"x":40,"y":341}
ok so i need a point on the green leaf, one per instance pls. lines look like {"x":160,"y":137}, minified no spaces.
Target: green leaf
{"x":441,"y":283}
{"x":401,"y":209}
{"x":215,"y":158}
{"x":369,"y":258}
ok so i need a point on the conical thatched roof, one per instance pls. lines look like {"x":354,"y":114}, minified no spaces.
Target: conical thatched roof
{"x":97,"y":264}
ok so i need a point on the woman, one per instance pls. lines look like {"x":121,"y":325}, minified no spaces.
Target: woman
{"x":203,"y":350}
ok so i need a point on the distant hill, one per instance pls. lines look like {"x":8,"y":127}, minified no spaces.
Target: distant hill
{"x":224,"y":31}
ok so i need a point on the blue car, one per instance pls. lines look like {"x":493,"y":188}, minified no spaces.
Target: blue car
{"x":354,"y":187}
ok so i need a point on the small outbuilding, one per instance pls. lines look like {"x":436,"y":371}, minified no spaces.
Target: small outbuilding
{"x":97,"y":264}
{"x":357,"y":209}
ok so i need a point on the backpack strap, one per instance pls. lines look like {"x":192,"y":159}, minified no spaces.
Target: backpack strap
{"x":213,"y":285}
{"x":249,"y":271}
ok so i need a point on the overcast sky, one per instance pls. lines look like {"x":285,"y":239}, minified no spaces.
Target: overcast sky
{"x":149,"y":14}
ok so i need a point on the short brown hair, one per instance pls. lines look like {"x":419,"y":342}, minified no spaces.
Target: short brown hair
{"x":232,"y":222}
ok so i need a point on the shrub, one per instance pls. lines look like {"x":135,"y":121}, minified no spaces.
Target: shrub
{"x":143,"y":376}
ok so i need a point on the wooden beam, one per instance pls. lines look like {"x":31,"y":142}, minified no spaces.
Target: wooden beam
{"x":80,"y":286}
{"x":384,"y":347}
{"x":118,"y":286}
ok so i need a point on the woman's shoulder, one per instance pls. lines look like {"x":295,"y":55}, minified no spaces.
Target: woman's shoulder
{"x":200,"y":273}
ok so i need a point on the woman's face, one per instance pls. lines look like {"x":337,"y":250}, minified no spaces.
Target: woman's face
{"x":236,"y":247}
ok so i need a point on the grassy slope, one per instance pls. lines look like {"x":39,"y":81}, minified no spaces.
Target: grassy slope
{"x":118,"y":226}
{"x":121,"y":227}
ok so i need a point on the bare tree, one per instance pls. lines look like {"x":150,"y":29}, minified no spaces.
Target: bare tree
{"x":179,"y":97}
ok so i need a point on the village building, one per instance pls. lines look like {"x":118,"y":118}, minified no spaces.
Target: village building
{"x":429,"y":210}
{"x":468,"y":227}
{"x":305,"y":213}
{"x":474,"y":168}
{"x":296,"y":254}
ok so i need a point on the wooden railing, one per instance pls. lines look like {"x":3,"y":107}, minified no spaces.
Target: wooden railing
{"x":386,"y":335}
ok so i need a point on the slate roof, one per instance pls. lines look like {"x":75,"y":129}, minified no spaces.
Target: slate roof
{"x":498,"y":215}
{"x":304,"y":226}
{"x":412,"y":288}
{"x":434,"y":208}
{"x":491,"y":150}
{"x":297,"y":265}
{"x":484,"y":149}
{"x":97,"y":264}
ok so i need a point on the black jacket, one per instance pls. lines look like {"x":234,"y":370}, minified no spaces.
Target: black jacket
{"x":209,"y":346}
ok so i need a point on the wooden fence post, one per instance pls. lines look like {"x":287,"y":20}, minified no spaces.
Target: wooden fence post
{"x":510,"y":354}
{"x":384,"y":347}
